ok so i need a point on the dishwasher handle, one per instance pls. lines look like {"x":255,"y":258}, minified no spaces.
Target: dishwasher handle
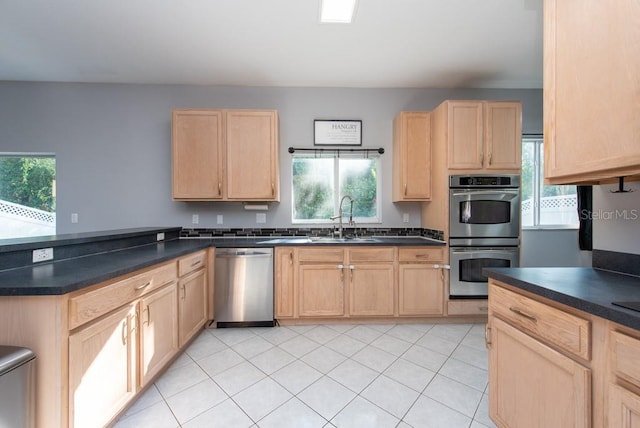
{"x":242,"y":254}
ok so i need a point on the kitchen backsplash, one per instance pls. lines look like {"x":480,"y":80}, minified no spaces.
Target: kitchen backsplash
{"x":616,"y":262}
{"x":310,"y":231}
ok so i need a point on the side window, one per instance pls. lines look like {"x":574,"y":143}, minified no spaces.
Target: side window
{"x":27,"y":195}
{"x":542,"y":205}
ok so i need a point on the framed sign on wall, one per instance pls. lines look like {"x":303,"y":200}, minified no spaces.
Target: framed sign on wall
{"x":337,"y":132}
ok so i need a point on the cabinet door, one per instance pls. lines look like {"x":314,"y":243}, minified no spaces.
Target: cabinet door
{"x":420,"y":290}
{"x":502,"y":135}
{"x":252,"y":155}
{"x":464,"y":126}
{"x":158,"y":323}
{"x":371,"y":289}
{"x":321,"y":290}
{"x":196,"y":143}
{"x":192,"y":304}
{"x":591,"y":89}
{"x":412,"y":157}
{"x":284,"y":297}
{"x":624,"y":408}
{"x":532,"y":385}
{"x":102,"y":368}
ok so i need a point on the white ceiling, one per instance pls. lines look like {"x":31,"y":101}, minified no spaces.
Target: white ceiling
{"x":392,"y":43}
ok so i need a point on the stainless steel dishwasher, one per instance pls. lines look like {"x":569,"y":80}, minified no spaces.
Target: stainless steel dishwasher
{"x":243,"y":286}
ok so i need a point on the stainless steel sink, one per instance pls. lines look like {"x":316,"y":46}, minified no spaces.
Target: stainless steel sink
{"x":300,"y":240}
{"x":331,"y":240}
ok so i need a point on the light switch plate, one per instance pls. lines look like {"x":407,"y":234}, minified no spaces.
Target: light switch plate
{"x":220,"y":218}
{"x":160,"y":236}
{"x":261,"y":218}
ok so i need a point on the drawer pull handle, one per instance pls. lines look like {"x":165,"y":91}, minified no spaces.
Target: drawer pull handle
{"x":184,"y":292}
{"x":148,"y":315}
{"x":291,"y":257}
{"x":422,"y":256}
{"x":219,"y":188}
{"x":145,"y":285}
{"x":524,"y":314}
{"x":405,"y":189}
{"x":483,"y":308}
{"x":196,"y":263}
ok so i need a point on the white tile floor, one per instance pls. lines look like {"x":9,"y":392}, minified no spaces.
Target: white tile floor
{"x":379,"y":375}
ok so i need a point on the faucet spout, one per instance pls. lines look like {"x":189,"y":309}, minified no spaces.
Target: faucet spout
{"x":341,"y":213}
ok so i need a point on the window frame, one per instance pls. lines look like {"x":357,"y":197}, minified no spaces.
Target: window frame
{"x":537,"y":186}
{"x":336,"y":194}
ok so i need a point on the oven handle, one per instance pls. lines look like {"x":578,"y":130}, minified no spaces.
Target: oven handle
{"x":482,"y":250}
{"x":508,"y":192}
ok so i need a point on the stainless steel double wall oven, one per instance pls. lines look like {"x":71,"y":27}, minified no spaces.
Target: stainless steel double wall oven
{"x":484,"y":230}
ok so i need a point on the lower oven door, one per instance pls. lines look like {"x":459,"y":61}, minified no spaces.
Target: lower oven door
{"x":467,"y":280}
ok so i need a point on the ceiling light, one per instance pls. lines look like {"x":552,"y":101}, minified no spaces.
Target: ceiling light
{"x":337,"y":10}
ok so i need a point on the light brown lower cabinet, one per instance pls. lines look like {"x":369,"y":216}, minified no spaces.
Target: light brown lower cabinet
{"x":102,"y":368}
{"x":192,"y":304}
{"x":624,"y":383}
{"x":533,"y":385}
{"x":420,"y":289}
{"x":358,"y":282}
{"x":551,"y":365}
{"x":284,"y":303}
{"x":371,"y":289}
{"x":321,"y":290}
{"x":98,"y":347}
{"x":158,"y":327}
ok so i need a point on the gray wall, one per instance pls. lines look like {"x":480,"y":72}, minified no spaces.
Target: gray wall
{"x":112,"y":143}
{"x":616,"y":224}
{"x":112,"y":147}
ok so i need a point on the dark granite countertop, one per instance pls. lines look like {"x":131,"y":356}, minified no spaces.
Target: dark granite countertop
{"x":275,"y":241}
{"x":589,"y":290}
{"x":71,"y":274}
{"x":65,"y":276}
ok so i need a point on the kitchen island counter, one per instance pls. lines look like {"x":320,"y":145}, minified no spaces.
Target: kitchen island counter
{"x":586,"y":289}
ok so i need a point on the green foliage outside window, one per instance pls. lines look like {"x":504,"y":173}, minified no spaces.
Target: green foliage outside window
{"x":320,"y":183}
{"x":28,"y":181}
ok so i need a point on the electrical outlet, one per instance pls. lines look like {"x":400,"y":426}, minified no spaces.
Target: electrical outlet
{"x":160,"y":236}
{"x":261,"y":218}
{"x":74,"y":217}
{"x":195,"y":219}
{"x":219,"y":219}
{"x":405,"y":218}
{"x":42,"y":255}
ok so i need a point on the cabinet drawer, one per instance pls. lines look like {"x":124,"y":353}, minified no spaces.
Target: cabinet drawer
{"x":333,"y":254}
{"x":371,"y":254}
{"x":468,"y":307}
{"x":624,"y":357}
{"x":89,"y":305}
{"x":421,"y":254}
{"x":554,"y":326}
{"x":191,"y":262}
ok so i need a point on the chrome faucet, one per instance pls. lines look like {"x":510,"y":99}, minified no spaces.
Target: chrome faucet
{"x":341,"y":214}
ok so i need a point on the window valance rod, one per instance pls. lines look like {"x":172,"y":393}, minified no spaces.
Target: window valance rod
{"x":332,"y":150}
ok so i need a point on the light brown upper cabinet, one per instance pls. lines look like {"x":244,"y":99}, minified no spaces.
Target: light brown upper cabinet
{"x":591,"y":90}
{"x":482,"y":135}
{"x":197,"y":153}
{"x":412,"y":156}
{"x":227,"y":155}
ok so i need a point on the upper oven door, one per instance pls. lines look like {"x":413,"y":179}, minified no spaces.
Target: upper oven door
{"x":484,"y":213}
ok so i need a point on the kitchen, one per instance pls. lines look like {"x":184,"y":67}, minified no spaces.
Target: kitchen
{"x":111,"y":183}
